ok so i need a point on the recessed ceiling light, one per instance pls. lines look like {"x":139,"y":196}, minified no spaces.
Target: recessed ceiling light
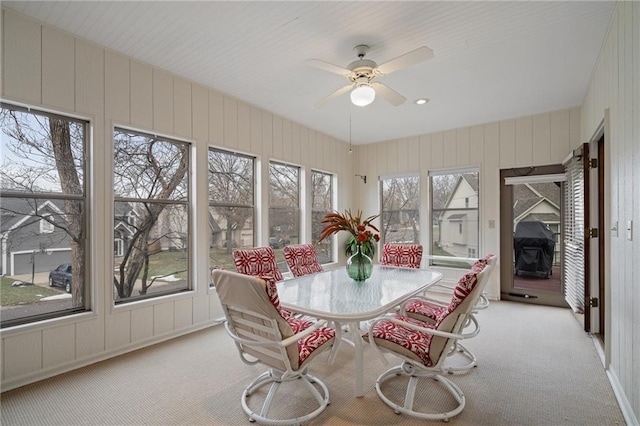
{"x":422,"y":101}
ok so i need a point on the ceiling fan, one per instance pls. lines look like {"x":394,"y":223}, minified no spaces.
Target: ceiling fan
{"x":362,"y":72}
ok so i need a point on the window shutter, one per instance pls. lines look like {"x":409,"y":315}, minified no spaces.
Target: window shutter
{"x":574,"y":233}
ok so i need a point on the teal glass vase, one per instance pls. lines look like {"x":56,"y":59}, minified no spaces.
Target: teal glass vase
{"x":359,"y":265}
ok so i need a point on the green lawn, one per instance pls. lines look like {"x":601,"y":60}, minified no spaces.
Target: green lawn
{"x":10,"y":296}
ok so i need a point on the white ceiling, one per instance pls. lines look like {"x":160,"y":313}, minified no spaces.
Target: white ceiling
{"x":493,"y":60}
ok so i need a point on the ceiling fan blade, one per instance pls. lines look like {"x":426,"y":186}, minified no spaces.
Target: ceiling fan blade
{"x":326,"y":66}
{"x":390,"y":95}
{"x":334,"y":95}
{"x":418,"y":55}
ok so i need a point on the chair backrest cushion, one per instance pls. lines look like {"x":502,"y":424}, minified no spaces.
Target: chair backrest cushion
{"x":258,"y":261}
{"x":302,"y":259}
{"x":403,"y":255}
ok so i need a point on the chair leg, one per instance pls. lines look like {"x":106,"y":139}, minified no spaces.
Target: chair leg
{"x":458,"y":348}
{"x":414,"y":375}
{"x":274,"y":379}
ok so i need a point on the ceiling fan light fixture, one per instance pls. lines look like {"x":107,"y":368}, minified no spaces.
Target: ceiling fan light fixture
{"x":363,"y":95}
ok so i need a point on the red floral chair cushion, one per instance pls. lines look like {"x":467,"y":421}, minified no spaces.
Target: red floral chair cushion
{"x":403,"y":255}
{"x":302,"y":259}
{"x":308,"y":344}
{"x":257,"y":261}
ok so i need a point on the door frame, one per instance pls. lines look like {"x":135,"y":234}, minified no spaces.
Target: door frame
{"x":506,"y":239}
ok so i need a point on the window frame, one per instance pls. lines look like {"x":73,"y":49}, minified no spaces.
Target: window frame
{"x":83,"y":197}
{"x":331,"y":240}
{"x":187,"y":203}
{"x":436,"y":259}
{"x":383,"y":230}
{"x":254,"y":198}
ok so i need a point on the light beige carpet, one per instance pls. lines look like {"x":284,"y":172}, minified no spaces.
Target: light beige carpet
{"x":536,"y":367}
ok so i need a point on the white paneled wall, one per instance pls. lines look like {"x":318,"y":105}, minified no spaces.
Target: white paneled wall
{"x":615,"y":86}
{"x":50,"y":69}
{"x":522,"y":142}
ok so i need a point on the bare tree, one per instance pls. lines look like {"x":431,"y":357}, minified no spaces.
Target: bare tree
{"x":46,"y":157}
{"x":150,"y":173}
{"x":231,"y":180}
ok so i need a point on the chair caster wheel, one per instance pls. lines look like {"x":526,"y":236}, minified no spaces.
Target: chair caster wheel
{"x":252,"y":420}
{"x":397,"y":412}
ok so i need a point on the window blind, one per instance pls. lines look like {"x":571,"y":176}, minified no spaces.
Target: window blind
{"x":574,"y":233}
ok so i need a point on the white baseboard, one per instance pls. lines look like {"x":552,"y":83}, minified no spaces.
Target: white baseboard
{"x":625,"y":405}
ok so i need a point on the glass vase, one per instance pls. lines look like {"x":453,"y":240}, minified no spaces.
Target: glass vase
{"x":359,"y":265}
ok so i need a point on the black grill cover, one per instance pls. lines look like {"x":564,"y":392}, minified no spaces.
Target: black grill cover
{"x":533,"y":245}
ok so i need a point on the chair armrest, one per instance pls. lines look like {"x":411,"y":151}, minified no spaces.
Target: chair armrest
{"x":266,"y":342}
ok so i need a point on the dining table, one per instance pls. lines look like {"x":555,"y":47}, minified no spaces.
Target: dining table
{"x":335,"y":297}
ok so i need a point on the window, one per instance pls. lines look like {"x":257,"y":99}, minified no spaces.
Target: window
{"x":47,"y":223}
{"x":43,"y":208}
{"x":400,"y":210}
{"x":321,"y":204}
{"x":231,"y":205}
{"x":454,"y":215}
{"x":151,"y":183}
{"x":284,"y":208}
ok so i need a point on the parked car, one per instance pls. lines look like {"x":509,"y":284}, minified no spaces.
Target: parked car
{"x":61,"y":277}
{"x":278,"y":242}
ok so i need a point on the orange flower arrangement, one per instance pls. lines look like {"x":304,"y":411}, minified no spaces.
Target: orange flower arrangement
{"x":361,"y":231}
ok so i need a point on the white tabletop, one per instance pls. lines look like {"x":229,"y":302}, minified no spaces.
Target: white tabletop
{"x":333,"y":295}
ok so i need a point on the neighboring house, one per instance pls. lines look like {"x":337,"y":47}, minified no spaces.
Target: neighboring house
{"x":458,"y":222}
{"x":31,"y":242}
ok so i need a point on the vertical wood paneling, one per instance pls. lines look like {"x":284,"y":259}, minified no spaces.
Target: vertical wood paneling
{"x":22,"y":354}
{"x":216,"y":119}
{"x":392,"y":157}
{"x":574,"y":128}
{"x":462,"y":147}
{"x":425,"y":152}
{"x":541,"y":138}
{"x":507,"y":140}
{"x":22,"y":45}
{"x":256,"y":130}
{"x":182,"y":107}
{"x":163,"y":318}
{"x":230,"y":122}
{"x":286,"y":140}
{"x":201,"y":309}
{"x":89,"y":79}
{"x":450,"y":148}
{"x":183,"y":312}
{"x":117,"y":330}
{"x":141,"y":324}
{"x":278,"y":147}
{"x":200,"y":111}
{"x":90,"y":338}
{"x":116,"y":88}
{"x":524,"y":141}
{"x":476,"y":144}
{"x":413,"y":154}
{"x":313,"y":147}
{"x":141,"y":95}
{"x":59,"y":345}
{"x":437,"y":150}
{"x":635,"y":320}
{"x":58,"y":69}
{"x":560,"y":135}
{"x":295,"y":143}
{"x":304,"y":146}
{"x":491,"y":146}
{"x":320,"y":150}
{"x":383,"y":157}
{"x":267,"y":134}
{"x":162,"y":101}
{"x":244,"y":127}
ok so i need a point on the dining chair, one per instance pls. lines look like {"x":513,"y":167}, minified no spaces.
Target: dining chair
{"x":428,"y":310}
{"x":402,"y":255}
{"x":286,"y":345}
{"x":423,"y":349}
{"x":302,"y":259}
